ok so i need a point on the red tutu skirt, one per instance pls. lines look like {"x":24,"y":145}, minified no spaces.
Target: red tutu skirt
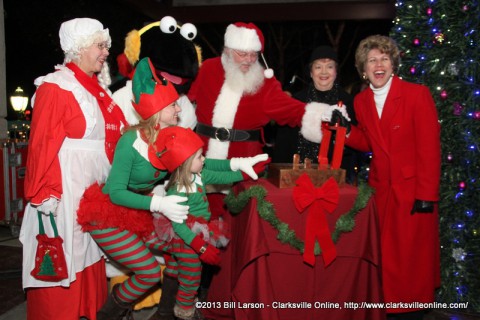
{"x":215,"y":232}
{"x":96,"y":211}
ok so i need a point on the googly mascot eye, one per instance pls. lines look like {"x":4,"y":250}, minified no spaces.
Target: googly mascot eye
{"x":175,"y":57}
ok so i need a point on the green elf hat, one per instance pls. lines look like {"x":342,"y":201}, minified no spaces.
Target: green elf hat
{"x":172,"y":147}
{"x":150,"y":93}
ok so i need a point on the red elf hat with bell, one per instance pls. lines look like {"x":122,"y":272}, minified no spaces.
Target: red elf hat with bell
{"x":150,"y":93}
{"x":172,"y":147}
{"x":247,"y":37}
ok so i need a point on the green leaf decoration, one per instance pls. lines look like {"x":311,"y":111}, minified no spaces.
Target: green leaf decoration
{"x":266,"y":211}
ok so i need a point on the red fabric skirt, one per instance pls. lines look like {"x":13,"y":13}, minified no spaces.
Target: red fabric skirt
{"x":96,"y":211}
{"x":83,"y":298}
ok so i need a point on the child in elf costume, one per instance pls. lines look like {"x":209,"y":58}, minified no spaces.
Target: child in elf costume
{"x":195,"y":240}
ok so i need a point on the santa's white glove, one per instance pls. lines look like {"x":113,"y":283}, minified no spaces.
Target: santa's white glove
{"x":246,"y":164}
{"x":327,"y":113}
{"x":49,"y":206}
{"x":170,"y":207}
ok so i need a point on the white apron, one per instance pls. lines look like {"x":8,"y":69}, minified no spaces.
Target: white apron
{"x":83,"y":162}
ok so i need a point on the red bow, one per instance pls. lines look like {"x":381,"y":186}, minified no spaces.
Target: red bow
{"x":323,"y":199}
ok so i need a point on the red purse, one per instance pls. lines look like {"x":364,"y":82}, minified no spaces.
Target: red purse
{"x":50,"y":264}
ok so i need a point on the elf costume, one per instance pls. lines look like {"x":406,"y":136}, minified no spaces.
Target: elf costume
{"x":194,"y":240}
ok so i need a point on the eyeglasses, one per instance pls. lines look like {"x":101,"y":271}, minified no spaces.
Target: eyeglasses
{"x":244,"y":54}
{"x":103,"y":45}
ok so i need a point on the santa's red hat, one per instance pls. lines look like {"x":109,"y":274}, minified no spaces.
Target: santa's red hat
{"x":246,"y":37}
{"x":173,"y":146}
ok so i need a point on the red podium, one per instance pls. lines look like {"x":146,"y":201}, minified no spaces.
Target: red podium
{"x":261,"y":278}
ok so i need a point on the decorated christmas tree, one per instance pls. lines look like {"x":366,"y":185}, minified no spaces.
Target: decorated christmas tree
{"x":46,"y":267}
{"x":439,"y":41}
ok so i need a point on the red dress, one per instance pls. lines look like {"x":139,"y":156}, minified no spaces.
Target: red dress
{"x":405,"y":166}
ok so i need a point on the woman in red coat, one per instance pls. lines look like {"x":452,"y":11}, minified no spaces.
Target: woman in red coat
{"x":397,"y":122}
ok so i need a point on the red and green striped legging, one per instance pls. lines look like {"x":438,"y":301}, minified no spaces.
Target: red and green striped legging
{"x":182,"y":262}
{"x":132,"y":252}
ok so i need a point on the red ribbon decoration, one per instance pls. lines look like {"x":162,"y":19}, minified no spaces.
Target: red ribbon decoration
{"x":321,"y":200}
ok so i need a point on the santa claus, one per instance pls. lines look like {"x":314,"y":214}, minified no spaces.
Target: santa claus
{"x":236,"y":97}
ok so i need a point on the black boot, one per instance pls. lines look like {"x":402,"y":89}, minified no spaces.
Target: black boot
{"x":167,"y":299}
{"x":114,"y":308}
{"x":203,"y":294}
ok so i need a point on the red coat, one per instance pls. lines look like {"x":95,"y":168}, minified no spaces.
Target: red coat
{"x":253,"y":111}
{"x":405,"y":166}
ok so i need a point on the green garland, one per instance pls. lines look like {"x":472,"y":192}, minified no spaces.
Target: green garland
{"x":265,"y":209}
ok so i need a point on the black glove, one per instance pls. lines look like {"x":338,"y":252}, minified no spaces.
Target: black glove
{"x":337,"y":118}
{"x":422,"y":206}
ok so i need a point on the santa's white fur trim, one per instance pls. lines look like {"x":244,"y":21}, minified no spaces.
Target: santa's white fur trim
{"x":223,"y":117}
{"x":123,"y":97}
{"x":188,"y":119}
{"x":268,"y":73}
{"x":312,"y":120}
{"x":241,"y":38}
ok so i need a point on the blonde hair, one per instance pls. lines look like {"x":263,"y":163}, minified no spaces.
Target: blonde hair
{"x":148,"y":127}
{"x":383,"y":43}
{"x":182,"y":176}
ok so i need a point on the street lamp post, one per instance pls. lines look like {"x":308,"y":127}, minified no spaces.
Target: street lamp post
{"x":15,"y":150}
{"x":19,"y":100}
{"x":19,"y":128}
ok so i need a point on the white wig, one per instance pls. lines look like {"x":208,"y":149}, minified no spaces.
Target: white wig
{"x":80,"y":33}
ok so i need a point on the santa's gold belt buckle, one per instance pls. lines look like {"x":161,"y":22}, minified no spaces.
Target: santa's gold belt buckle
{"x":222,"y":134}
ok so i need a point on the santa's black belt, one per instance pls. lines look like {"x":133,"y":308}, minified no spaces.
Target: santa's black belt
{"x":224,"y":134}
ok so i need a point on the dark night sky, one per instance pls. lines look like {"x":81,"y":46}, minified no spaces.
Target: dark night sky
{"x":33,"y":49}
{"x":31,"y":34}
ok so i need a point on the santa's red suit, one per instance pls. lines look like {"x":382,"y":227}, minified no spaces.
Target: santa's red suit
{"x":220,"y":106}
{"x":230,"y":117}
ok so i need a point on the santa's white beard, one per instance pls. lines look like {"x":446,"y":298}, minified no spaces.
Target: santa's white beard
{"x":248,"y":82}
